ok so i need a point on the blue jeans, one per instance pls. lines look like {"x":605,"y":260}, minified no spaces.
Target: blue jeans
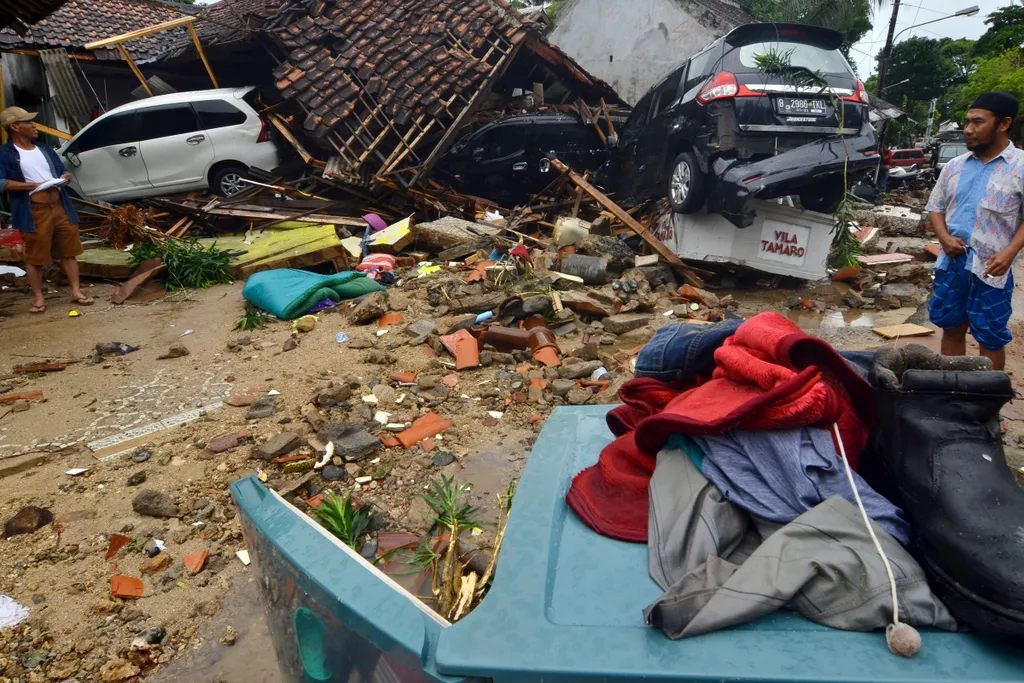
{"x":679,"y":351}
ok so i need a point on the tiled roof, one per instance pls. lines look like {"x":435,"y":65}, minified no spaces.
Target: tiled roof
{"x":224,"y":23}
{"x":228,"y":21}
{"x":411,"y":57}
{"x":386,"y":84}
{"x":78,"y":22}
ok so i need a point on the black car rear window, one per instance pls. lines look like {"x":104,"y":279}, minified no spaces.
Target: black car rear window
{"x":745,"y":59}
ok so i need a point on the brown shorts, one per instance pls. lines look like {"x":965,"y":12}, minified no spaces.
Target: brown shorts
{"x":54,"y":235}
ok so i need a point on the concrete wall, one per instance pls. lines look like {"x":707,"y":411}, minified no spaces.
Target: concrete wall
{"x":631,"y":44}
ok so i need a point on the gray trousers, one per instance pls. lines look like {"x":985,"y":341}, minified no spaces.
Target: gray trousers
{"x":720,"y":566}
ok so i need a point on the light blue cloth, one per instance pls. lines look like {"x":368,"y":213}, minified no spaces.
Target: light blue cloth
{"x":780,"y":474}
{"x":970,"y":190}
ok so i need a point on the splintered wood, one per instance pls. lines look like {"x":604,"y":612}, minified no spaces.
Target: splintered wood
{"x":630,"y":222}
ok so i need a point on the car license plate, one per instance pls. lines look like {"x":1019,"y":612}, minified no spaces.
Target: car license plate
{"x":801,"y":107}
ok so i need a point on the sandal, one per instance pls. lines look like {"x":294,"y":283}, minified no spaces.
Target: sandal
{"x":82,"y":301}
{"x":38,"y":309}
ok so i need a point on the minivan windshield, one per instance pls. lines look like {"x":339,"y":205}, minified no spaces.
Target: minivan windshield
{"x":800,"y":55}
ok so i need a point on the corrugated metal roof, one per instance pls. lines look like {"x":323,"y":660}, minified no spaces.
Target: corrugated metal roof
{"x":67,"y":91}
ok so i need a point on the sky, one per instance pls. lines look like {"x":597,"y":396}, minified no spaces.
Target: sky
{"x":917,"y":12}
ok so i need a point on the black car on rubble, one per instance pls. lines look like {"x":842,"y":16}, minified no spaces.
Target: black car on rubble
{"x":754,"y":115}
{"x":507,"y":160}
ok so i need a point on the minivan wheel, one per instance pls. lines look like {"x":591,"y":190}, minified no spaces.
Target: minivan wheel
{"x":228,"y":180}
{"x":686,"y":184}
{"x":824,"y":198}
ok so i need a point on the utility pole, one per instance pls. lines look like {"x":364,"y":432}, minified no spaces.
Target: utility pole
{"x":883,"y":67}
{"x":931,"y":118}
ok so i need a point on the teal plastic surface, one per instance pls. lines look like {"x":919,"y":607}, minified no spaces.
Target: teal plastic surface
{"x":289,"y":293}
{"x":567,"y":605}
{"x":333,"y":618}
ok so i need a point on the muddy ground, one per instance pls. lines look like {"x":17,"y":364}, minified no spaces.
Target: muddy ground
{"x":77,"y":631}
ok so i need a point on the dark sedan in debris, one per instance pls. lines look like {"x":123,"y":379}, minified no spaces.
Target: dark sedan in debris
{"x":766,"y":111}
{"x":508,"y":160}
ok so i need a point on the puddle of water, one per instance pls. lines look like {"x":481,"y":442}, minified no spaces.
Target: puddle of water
{"x":252,"y":658}
{"x":848,"y":319}
{"x":489,"y":471}
{"x":831,"y":320}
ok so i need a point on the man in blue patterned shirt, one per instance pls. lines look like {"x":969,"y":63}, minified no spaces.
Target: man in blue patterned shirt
{"x":975,"y":210}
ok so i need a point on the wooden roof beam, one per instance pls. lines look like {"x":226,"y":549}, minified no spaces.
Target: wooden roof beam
{"x":139,"y":33}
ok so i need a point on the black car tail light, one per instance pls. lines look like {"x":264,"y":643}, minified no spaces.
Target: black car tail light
{"x":860,"y":95}
{"x":724,"y":86}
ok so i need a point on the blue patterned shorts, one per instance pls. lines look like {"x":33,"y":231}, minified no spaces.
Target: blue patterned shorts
{"x":961,"y":296}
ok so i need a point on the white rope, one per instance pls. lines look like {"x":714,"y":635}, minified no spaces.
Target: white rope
{"x":867,"y":523}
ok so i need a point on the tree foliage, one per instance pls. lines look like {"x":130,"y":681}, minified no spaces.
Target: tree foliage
{"x":919,"y":71}
{"x":1001,"y":72}
{"x":852,"y":18}
{"x":1005,"y":32}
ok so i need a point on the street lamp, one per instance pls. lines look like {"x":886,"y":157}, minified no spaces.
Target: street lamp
{"x":967,"y":12}
{"x":884,"y":66}
{"x":905,"y":80}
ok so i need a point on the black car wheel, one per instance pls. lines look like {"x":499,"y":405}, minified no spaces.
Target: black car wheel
{"x":686,"y":184}
{"x":824,"y":198}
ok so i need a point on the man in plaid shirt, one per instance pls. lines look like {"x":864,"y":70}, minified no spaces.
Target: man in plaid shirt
{"x":975,"y":210}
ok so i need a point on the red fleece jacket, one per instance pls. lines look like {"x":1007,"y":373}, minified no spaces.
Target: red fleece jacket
{"x":769,"y":375}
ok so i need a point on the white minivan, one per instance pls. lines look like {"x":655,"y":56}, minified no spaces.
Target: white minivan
{"x":171,"y":143}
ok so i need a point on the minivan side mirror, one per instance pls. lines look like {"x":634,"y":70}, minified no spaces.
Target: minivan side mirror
{"x":73,"y":159}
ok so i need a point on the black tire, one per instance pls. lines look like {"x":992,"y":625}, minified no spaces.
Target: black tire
{"x":226,"y":180}
{"x":686,"y":184}
{"x":824,"y":199}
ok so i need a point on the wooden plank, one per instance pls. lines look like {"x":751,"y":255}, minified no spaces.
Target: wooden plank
{"x":135,"y":69}
{"x":184,"y":228}
{"x":579,"y":200}
{"x":202,"y":54}
{"x":884,"y":259}
{"x":278,"y":215}
{"x":286,"y":133}
{"x":138,"y":33}
{"x":607,"y":118}
{"x":904,"y":330}
{"x":630,"y":222}
{"x":175,"y":227}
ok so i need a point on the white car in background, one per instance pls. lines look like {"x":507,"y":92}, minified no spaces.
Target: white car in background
{"x":171,"y":143}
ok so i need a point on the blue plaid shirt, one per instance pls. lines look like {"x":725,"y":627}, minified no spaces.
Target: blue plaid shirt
{"x":983,"y":205}
{"x":21,"y":206}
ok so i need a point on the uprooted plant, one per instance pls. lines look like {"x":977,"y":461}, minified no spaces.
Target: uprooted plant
{"x":252,"y":318}
{"x":344,"y":518}
{"x":189,"y":264}
{"x":845,"y":248}
{"x":455,"y":590}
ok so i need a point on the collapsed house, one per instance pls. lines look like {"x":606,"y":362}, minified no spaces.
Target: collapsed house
{"x":386,"y":86}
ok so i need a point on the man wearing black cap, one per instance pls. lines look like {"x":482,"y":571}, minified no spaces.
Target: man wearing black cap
{"x":975,"y":210}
